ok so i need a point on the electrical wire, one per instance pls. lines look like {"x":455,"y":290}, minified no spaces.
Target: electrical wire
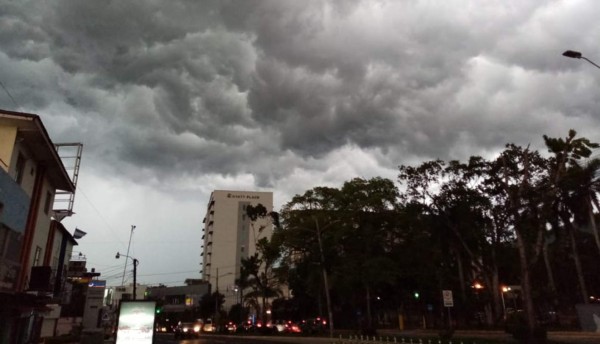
{"x":9,"y":95}
{"x":100,"y":215}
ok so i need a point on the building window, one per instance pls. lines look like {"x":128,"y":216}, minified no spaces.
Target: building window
{"x":20,"y":168}
{"x":36,"y":257}
{"x":48,"y":202}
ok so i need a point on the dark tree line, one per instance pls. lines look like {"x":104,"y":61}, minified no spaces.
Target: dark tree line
{"x":372,"y":249}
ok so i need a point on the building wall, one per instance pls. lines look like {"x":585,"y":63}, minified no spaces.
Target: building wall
{"x":42,"y":230}
{"x":229,"y":237}
{"x":24,"y":221}
{"x":8,"y":136}
{"x":29,"y":170}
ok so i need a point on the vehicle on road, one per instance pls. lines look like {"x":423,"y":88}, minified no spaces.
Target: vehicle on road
{"x":231,"y":327}
{"x":188,"y":330}
{"x":314,"y":326}
{"x":209,"y":326}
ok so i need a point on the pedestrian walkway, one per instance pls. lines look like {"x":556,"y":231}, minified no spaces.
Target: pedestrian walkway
{"x":431,"y":337}
{"x":575,"y":337}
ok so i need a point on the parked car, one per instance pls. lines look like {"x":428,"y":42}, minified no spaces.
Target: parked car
{"x":188,"y":330}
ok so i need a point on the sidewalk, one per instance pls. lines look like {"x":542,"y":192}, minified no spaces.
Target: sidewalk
{"x":575,"y":337}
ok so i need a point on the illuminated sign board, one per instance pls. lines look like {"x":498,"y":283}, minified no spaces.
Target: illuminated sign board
{"x":97,"y":284}
{"x":135,"y":324}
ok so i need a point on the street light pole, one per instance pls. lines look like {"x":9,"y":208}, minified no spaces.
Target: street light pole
{"x":325,"y":277}
{"x":577,"y":55}
{"x":135,"y":264}
{"x":127,"y":255}
{"x":217,"y":295}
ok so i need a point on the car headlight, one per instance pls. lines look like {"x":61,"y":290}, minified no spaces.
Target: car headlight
{"x":196,"y":328}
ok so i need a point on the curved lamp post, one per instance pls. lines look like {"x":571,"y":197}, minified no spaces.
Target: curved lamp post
{"x":577,"y":55}
{"x":135,"y":264}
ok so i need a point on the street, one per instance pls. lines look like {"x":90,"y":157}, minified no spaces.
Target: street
{"x":218,"y":339}
{"x":498,"y":336}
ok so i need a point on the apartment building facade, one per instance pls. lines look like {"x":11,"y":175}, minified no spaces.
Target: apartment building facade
{"x":34,"y":246}
{"x":229,"y":236}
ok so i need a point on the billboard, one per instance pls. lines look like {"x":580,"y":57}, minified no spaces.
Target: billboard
{"x":135,"y":323}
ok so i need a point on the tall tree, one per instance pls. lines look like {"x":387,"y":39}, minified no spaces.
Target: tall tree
{"x":519,"y":180}
{"x":574,"y":190}
{"x":260,"y":269}
{"x":307,"y":218}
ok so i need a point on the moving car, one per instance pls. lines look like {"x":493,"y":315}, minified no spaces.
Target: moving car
{"x":188,"y":330}
{"x":209,"y":326}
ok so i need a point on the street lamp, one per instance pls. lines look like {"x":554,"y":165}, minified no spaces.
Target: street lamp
{"x":504,"y":290}
{"x":126,"y":255}
{"x":135,"y":264}
{"x":319,"y":233}
{"x":577,"y":55}
{"x":217,"y":295}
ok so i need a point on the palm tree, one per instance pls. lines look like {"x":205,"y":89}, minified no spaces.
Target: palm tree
{"x":574,"y":187}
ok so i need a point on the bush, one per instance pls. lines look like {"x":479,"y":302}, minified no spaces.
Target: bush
{"x":516,"y":325}
{"x":446,"y":333}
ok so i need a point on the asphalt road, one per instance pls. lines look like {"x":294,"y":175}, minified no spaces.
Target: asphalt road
{"x":555,"y":337}
{"x":224,"y":339}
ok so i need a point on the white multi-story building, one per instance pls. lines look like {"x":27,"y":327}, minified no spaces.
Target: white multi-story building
{"x":229,"y":236}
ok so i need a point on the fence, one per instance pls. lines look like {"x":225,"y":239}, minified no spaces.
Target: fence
{"x":355,"y":339}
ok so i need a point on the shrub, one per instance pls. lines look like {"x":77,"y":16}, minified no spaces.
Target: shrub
{"x":516,"y":325}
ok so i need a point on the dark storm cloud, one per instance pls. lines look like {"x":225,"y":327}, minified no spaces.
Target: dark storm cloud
{"x":173,"y":99}
{"x":229,"y":86}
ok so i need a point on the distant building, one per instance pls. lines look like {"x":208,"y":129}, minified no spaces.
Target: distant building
{"x":34,"y":246}
{"x":228,"y":237}
{"x":177,"y":302}
{"x":115,"y":294}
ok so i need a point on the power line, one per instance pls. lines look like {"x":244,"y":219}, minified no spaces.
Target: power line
{"x":100,"y":215}
{"x":9,"y":95}
{"x":169,"y":273}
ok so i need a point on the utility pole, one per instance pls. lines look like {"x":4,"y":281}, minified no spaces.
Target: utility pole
{"x":135,"y":264}
{"x":127,"y":256}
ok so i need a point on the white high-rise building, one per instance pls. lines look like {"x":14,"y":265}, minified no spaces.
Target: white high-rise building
{"x":229,"y":236}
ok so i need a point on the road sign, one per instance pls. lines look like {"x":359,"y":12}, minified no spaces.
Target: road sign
{"x":448,"y":300}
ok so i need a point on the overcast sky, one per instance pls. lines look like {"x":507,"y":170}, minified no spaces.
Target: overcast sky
{"x":173,"y":99}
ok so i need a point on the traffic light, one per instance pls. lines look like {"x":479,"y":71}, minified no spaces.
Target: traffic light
{"x":416,"y":295}
{"x":158,"y":310}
